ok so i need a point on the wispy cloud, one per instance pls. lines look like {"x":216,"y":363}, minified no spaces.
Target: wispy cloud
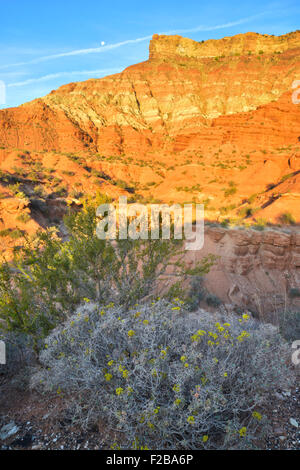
{"x":12,"y":75}
{"x":77,"y":52}
{"x":214,"y":28}
{"x":108,"y":47}
{"x":53,"y":76}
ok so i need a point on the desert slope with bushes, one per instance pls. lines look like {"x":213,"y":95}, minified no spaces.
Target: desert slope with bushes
{"x":143,"y":344}
{"x":128,"y":361}
{"x":209,"y":122}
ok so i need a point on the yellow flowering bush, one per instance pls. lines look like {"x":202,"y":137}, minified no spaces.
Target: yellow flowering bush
{"x":188,"y":382}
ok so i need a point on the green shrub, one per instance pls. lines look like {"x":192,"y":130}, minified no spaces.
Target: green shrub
{"x":16,"y":233}
{"x":230,"y":191}
{"x":100,"y":174}
{"x":24,"y":218}
{"x":5,"y":232}
{"x":48,"y":278}
{"x":247,"y":211}
{"x":19,"y":356}
{"x":289,"y":325}
{"x":159,"y":377}
{"x":225,"y":223}
{"x":61,"y":191}
{"x":294,"y":292}
{"x":76,"y":194}
{"x":196,"y":294}
{"x":287,"y":218}
{"x":252,"y":198}
{"x":286,"y":177}
{"x":123,"y":185}
{"x":212,"y":300}
{"x":260,"y":224}
{"x":39,"y":190}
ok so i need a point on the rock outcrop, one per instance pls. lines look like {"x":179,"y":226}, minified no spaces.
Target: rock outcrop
{"x":256,"y":270}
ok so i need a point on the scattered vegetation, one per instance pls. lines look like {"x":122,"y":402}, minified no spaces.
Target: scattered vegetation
{"x":24,"y":217}
{"x":287,"y":219}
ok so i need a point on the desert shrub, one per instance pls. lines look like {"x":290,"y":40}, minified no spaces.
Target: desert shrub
{"x":19,"y":355}
{"x":196,"y":293}
{"x":260,"y":224}
{"x":247,"y":211}
{"x":123,"y":185}
{"x":231,"y":190}
{"x":24,"y":217}
{"x":76,"y":194}
{"x":287,"y":218}
{"x":212,"y":300}
{"x":61,"y":191}
{"x":286,"y":177}
{"x":5,"y":232}
{"x":225,"y":223}
{"x":289,"y":324}
{"x":48,"y":278}
{"x":176,"y":290}
{"x":294,"y":292}
{"x":100,"y":174}
{"x":16,"y":234}
{"x":40,"y":191}
{"x":159,"y":377}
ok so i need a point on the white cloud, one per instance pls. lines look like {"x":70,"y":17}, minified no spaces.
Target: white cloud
{"x":214,"y":28}
{"x":53,"y":76}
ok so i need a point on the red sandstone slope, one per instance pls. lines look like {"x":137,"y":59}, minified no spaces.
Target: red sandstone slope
{"x":212,"y":122}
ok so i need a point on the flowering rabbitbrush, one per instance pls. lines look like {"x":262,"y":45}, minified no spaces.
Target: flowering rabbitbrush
{"x":177,"y":381}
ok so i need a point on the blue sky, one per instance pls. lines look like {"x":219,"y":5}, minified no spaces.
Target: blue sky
{"x":44,"y":45}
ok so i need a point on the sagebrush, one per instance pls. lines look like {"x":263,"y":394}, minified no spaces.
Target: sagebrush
{"x":159,"y":377}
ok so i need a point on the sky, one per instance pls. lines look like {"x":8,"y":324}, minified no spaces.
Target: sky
{"x":45,"y":44}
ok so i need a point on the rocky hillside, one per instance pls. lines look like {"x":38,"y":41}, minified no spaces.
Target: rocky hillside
{"x":209,"y":122}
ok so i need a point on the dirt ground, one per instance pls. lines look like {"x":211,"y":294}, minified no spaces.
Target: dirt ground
{"x":40,"y":422}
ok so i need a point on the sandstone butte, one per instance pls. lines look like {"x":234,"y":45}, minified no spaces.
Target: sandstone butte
{"x":211,"y":122}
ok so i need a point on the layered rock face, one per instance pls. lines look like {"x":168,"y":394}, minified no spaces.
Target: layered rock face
{"x":255,"y":270}
{"x":183,"y":85}
{"x":250,"y":43}
{"x":210,"y":122}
